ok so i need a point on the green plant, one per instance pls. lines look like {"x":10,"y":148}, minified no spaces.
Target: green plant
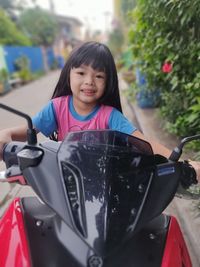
{"x":9,"y":33}
{"x":3,"y":75}
{"x":22,"y":63}
{"x":37,"y":75}
{"x":167,"y":31}
{"x":4,"y":84}
{"x":116,"y":40}
{"x":23,"y":69}
{"x":39,"y":25}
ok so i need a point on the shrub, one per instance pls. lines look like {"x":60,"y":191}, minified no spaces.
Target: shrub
{"x":9,"y":33}
{"x":167,"y":32}
{"x":23,"y":69}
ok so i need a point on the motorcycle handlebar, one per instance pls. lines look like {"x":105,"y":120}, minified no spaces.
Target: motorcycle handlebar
{"x":189,"y":175}
{"x":10,"y":151}
{"x":12,"y":174}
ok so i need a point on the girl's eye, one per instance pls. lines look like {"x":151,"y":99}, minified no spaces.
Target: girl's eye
{"x":80,"y":72}
{"x":100,"y":76}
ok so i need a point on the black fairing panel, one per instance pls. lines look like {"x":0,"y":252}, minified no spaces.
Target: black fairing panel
{"x":52,"y":245}
{"x":45,"y":248}
{"x":45,"y":180}
{"x":161,"y":191}
{"x":107,"y":176}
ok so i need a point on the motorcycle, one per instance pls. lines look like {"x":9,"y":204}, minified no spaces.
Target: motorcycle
{"x":100,"y":198}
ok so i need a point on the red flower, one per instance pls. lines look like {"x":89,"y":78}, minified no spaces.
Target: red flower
{"x":167,"y":67}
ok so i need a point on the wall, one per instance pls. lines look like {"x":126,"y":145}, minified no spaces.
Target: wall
{"x":34,"y":54}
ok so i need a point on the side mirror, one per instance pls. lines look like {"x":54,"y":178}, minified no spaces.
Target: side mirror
{"x":31,"y":133}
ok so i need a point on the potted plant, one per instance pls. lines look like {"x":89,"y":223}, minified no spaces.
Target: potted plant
{"x":146,"y":97}
{"x":4,"y":83}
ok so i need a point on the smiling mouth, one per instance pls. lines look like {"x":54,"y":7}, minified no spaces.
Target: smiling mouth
{"x":88,"y":92}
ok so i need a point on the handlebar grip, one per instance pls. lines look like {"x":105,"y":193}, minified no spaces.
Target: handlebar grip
{"x":10,"y":151}
{"x":175,"y":155}
{"x":188,"y":176}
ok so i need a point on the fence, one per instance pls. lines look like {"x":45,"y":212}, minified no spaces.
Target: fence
{"x":9,"y":55}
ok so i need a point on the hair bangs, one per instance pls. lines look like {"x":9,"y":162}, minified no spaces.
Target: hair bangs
{"x":92,"y":56}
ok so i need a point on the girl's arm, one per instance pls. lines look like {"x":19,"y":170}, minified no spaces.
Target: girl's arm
{"x":43,"y":121}
{"x":12,"y":134}
{"x":162,"y":150}
{"x":157,"y":148}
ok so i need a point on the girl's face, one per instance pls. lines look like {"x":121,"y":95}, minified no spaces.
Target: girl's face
{"x":87,"y":84}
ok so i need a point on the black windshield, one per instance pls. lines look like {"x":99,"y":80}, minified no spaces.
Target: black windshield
{"x":106,"y":183}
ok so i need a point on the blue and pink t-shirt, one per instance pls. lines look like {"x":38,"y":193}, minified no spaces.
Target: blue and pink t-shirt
{"x":59,"y":115}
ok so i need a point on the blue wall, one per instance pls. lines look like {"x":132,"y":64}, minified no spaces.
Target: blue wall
{"x":50,"y":57}
{"x":33,"y":53}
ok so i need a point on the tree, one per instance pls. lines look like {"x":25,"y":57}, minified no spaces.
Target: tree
{"x":9,"y":34}
{"x":11,"y":6}
{"x":126,"y":7}
{"x":39,"y":26}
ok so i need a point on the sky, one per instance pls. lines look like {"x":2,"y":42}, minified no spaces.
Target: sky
{"x":96,"y":14}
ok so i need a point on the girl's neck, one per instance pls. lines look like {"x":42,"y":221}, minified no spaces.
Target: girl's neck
{"x":83,"y":108}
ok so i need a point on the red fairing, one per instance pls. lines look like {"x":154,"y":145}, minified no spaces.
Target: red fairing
{"x":175,"y":253}
{"x":13,"y":243}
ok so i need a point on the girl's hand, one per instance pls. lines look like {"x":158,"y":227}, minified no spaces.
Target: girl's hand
{"x":5,"y":137}
{"x":18,"y":133}
{"x":1,"y":150}
{"x":196,"y":166}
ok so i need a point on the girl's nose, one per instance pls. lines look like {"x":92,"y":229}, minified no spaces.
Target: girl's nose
{"x":89,"y":80}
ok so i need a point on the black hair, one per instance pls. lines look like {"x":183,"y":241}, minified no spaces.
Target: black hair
{"x":99,"y":57}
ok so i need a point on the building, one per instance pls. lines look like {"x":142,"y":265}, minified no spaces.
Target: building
{"x":69,"y":34}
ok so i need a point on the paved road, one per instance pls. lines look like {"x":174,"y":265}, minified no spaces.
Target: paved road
{"x":29,"y":99}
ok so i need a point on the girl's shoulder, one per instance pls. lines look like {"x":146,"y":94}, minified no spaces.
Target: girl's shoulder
{"x":104,"y":109}
{"x":107,"y":107}
{"x":61,"y":104}
{"x":60,"y":99}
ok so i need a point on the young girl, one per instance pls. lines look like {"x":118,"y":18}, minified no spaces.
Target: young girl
{"x":86,"y":97}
